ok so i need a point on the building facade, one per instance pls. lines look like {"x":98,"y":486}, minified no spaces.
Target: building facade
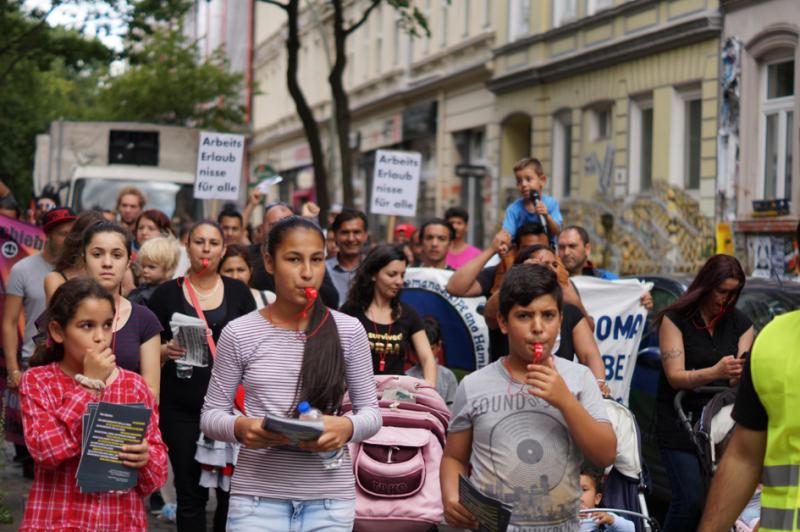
{"x":617,"y":98}
{"x":761,"y":138}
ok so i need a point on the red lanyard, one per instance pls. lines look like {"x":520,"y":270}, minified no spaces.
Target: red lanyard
{"x":382,"y":352}
{"x":512,"y":380}
{"x":212,"y":346}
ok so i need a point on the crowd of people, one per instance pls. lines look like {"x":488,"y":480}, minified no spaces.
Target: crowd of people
{"x":297,"y":312}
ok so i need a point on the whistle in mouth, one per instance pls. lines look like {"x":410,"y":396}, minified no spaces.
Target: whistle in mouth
{"x":311,"y":296}
{"x":538,"y":353}
{"x":205,"y":263}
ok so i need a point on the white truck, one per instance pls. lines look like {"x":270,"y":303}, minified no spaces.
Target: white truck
{"x":87,"y":163}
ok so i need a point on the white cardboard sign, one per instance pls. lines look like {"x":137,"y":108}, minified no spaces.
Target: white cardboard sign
{"x":219,"y":166}
{"x":395,"y":183}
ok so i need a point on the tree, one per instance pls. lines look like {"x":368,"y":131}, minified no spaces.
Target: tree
{"x":167,"y":85}
{"x":412,"y":20}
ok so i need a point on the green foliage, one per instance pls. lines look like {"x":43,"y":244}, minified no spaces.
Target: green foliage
{"x":168,"y":85}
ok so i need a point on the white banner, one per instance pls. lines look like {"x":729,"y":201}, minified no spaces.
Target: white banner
{"x":219,"y":166}
{"x":395,"y":183}
{"x":465,"y":335}
{"x":619,"y":321}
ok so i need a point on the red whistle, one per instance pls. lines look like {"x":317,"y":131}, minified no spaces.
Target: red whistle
{"x":538,"y":353}
{"x":205,"y":263}
{"x":311,"y":296}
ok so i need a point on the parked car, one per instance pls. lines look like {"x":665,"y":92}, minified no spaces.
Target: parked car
{"x":761,"y":300}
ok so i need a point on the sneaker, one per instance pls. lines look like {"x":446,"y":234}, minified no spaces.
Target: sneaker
{"x":169,"y":512}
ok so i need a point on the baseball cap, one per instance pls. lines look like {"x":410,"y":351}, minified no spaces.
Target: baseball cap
{"x":406,"y":229}
{"x":57,"y":216}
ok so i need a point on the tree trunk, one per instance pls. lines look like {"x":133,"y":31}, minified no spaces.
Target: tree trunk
{"x":342,"y":103}
{"x":310,"y":126}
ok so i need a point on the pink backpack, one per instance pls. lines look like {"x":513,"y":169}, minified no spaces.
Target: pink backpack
{"x":397,"y":469}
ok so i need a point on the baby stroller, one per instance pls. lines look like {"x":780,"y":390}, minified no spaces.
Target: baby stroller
{"x":626,"y":480}
{"x":397,"y":469}
{"x":709,"y":434}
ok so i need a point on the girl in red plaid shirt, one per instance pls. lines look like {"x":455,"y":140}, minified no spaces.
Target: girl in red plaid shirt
{"x":77,"y":362}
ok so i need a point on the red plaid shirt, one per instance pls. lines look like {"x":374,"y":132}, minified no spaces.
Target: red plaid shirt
{"x":52,"y":408}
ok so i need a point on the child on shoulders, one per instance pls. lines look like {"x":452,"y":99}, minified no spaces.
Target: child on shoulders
{"x":531,"y":181}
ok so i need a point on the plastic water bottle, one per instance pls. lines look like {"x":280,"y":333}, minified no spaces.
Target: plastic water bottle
{"x":330,"y":459}
{"x":183,"y":371}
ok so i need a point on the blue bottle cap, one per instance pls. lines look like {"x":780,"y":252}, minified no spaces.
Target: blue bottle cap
{"x":303,"y":407}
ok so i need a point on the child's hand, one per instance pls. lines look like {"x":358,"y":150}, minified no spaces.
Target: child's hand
{"x":541,"y":208}
{"x":546,"y":382}
{"x":336,"y":432}
{"x":135,"y":456}
{"x":602,"y":518}
{"x":251,"y":434}
{"x":98,"y":363}
{"x":456,"y":516}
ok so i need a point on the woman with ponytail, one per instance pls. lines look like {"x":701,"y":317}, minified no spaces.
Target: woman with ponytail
{"x":216,"y":300}
{"x":296,"y":349}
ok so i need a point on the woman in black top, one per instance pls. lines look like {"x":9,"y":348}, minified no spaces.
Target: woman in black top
{"x":703,"y":338}
{"x":392,"y":327}
{"x":221,"y":299}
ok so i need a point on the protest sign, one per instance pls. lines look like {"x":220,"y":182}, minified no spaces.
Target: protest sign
{"x":219,"y":166}
{"x":619,"y":321}
{"x":18,"y":240}
{"x":395,"y":183}
{"x":464,"y":332}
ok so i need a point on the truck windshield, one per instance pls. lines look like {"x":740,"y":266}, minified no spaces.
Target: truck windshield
{"x":174,"y":200}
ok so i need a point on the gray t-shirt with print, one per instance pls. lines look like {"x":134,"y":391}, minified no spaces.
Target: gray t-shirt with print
{"x":26,"y":280}
{"x":522,"y":450}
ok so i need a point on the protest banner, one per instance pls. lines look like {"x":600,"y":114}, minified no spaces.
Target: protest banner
{"x":17,"y":241}
{"x":395,"y":183}
{"x":219,"y":166}
{"x":464,"y":332}
{"x":619,"y":321}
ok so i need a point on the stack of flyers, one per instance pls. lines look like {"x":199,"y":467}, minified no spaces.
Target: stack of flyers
{"x":492,"y":514}
{"x":190,"y":333}
{"x":107,"y":427}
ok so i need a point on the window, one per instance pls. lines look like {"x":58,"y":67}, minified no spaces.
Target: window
{"x":133,"y":147}
{"x":427,"y":46}
{"x":693,"y":120}
{"x":777,"y":123}
{"x":487,"y":13}
{"x":593,"y":6}
{"x":564,"y":11}
{"x":600,"y":123}
{"x":519,"y":15}
{"x":562,"y":152}
{"x":396,"y":38}
{"x":379,"y":40}
{"x":640,"y":147}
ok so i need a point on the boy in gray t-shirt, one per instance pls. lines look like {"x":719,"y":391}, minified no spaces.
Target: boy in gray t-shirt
{"x":524,"y":423}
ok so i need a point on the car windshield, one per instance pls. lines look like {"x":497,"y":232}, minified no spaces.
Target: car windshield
{"x":174,"y":200}
{"x":763,"y":305}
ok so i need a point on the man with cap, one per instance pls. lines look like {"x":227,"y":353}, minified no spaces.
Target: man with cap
{"x":25,"y":290}
{"x":403,"y":233}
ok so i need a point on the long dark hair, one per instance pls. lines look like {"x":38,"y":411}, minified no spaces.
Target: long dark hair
{"x":322,"y":374}
{"x":104,"y":226}
{"x":236,"y":250}
{"x":713,"y":273}
{"x":63,"y":305}
{"x":362,"y":289}
{"x":72,"y":250}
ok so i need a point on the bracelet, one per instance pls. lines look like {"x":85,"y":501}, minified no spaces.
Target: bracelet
{"x":92,"y":384}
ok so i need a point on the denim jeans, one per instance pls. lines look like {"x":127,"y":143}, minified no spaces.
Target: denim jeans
{"x":247,"y":513}
{"x":686,"y":485}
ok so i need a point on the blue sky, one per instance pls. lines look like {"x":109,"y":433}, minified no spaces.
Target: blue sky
{"x":75,"y":12}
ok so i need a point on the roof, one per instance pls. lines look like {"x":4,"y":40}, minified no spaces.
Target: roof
{"x":132,"y":173}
